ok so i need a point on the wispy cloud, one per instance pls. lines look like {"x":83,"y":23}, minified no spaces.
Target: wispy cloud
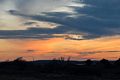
{"x":94,"y":52}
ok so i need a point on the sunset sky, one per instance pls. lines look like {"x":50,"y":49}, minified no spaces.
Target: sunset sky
{"x":47,"y":29}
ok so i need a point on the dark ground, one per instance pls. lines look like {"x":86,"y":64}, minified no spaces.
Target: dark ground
{"x":60,"y":70}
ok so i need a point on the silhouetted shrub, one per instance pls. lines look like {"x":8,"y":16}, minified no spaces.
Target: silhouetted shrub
{"x":88,"y":62}
{"x":117,"y":62}
{"x":19,"y":59}
{"x":105,"y":62}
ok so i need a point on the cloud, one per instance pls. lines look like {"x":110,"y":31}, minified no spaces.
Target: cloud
{"x":94,"y":52}
{"x":99,"y":18}
{"x":30,"y":51}
{"x":32,"y":6}
{"x":92,"y":17}
{"x":9,"y":9}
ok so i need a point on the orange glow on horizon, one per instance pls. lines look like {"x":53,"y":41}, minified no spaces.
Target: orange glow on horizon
{"x":107,"y":47}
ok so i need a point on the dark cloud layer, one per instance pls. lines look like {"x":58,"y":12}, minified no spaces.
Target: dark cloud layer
{"x":98,"y":18}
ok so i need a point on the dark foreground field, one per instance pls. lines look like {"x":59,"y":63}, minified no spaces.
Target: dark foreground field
{"x":60,"y":70}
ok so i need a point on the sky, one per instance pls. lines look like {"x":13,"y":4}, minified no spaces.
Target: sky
{"x":47,"y":29}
